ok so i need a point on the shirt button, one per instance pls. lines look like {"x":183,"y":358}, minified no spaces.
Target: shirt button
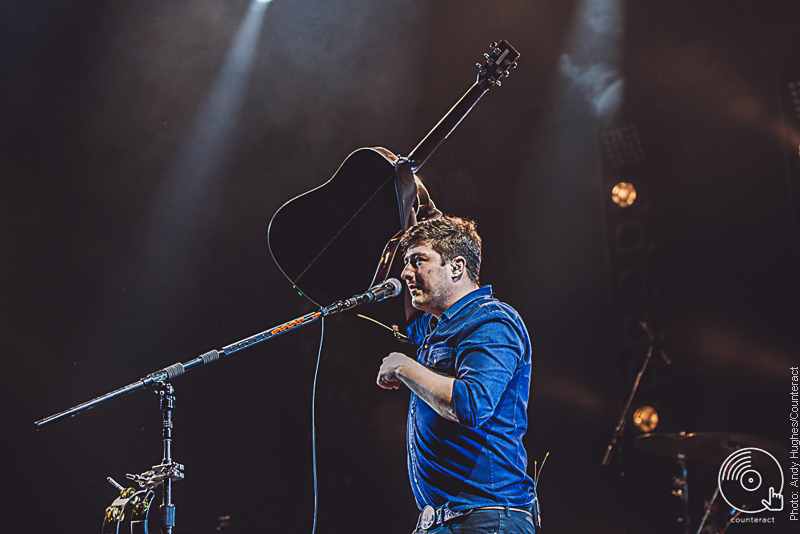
{"x":412,"y":410}
{"x":426,"y":346}
{"x":412,"y":445}
{"x":415,"y":479}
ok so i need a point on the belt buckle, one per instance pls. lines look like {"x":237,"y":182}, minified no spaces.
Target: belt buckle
{"x":426,"y":520}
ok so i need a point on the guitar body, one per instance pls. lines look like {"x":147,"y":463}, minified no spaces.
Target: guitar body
{"x":320,"y":238}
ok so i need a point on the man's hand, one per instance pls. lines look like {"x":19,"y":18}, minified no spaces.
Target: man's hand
{"x":387,"y":375}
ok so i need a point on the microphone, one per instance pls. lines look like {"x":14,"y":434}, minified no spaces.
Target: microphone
{"x":390,"y":288}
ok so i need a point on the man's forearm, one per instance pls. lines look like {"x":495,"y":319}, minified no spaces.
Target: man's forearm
{"x":435,"y":389}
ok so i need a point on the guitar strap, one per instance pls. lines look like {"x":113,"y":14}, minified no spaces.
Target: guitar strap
{"x":409,"y":190}
{"x":405,"y":187}
{"x":406,"y":192}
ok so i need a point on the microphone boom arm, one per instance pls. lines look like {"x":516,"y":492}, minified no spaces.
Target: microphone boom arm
{"x":375,"y":294}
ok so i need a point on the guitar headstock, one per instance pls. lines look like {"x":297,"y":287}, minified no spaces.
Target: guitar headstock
{"x":498,"y":64}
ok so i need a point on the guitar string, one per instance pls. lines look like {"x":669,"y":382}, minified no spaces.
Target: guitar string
{"x":359,"y":210}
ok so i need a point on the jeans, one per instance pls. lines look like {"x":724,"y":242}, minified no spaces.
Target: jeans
{"x":488,"y":522}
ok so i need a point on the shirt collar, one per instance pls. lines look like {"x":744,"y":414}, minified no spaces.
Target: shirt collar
{"x":449,"y":313}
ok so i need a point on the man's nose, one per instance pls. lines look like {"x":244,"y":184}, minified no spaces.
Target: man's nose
{"x":407,"y":272}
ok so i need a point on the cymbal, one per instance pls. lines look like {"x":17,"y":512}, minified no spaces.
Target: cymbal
{"x":711,"y":447}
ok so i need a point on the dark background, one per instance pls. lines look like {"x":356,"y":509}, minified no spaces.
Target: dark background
{"x":135,"y":206}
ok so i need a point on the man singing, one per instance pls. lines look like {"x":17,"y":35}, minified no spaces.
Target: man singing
{"x":469,"y":389}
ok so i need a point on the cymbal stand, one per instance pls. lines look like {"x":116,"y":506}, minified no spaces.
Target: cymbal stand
{"x":734,"y":514}
{"x":682,"y":492}
{"x":707,"y":511}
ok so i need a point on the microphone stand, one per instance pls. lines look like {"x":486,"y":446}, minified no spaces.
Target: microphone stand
{"x":168,"y":470}
{"x":620,"y":428}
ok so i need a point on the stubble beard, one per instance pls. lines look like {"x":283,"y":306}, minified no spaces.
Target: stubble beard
{"x":432,"y":300}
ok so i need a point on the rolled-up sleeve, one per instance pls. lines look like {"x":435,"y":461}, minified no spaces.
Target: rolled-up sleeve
{"x":487,"y":356}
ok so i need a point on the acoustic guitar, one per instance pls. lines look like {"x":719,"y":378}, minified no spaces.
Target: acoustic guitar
{"x":328,"y":240}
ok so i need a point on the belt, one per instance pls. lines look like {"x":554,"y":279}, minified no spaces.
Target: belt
{"x":431,"y":517}
{"x":526,"y":511}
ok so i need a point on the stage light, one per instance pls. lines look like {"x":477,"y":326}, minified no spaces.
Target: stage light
{"x":645,"y":418}
{"x":623,"y":194}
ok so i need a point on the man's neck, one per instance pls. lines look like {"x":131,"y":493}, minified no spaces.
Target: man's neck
{"x":459,"y":292}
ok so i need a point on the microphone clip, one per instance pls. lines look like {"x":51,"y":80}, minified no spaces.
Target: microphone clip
{"x":656,"y":343}
{"x":390,"y":288}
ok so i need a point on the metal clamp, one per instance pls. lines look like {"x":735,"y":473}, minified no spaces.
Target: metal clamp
{"x":158,"y":474}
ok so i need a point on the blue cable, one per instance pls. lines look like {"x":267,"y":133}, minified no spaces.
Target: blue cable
{"x":313,"y":423}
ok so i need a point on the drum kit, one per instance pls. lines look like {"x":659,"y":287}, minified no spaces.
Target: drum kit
{"x":714,"y":448}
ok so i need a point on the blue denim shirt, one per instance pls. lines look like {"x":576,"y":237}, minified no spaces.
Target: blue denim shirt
{"x":480,"y":460}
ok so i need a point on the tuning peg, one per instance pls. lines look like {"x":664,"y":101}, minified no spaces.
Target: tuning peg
{"x":513,"y":65}
{"x":481,"y":68}
{"x":505,"y":74}
{"x":497,"y":83}
{"x":493,"y":45}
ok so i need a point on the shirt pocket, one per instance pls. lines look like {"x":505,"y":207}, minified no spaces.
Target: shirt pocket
{"x":442,"y":359}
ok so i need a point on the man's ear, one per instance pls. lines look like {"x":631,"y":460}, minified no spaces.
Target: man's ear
{"x":458,"y":266}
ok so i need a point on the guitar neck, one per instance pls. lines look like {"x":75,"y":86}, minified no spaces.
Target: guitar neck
{"x":445,"y":127}
{"x":502,"y":58}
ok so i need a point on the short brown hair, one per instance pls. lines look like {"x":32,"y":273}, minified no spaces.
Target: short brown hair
{"x":449,"y":237}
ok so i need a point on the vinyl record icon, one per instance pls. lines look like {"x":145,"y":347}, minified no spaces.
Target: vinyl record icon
{"x":746,"y":478}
